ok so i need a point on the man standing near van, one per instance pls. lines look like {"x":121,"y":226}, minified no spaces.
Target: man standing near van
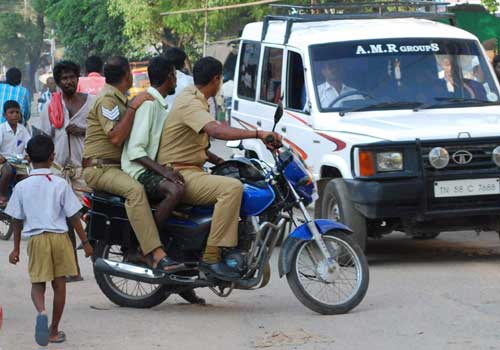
{"x":178,"y":58}
{"x":184,"y":146}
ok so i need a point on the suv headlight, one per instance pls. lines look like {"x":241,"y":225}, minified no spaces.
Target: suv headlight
{"x":389,"y":161}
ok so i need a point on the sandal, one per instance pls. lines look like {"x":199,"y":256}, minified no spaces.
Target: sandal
{"x":61,"y":338}
{"x":70,"y":279}
{"x":42,"y":330}
{"x":167,"y":264}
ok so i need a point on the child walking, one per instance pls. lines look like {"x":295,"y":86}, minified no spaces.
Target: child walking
{"x":39,"y":207}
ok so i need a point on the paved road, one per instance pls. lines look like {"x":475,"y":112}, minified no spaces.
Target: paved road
{"x":439,"y":294}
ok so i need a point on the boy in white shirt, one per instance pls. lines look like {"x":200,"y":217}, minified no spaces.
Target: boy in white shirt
{"x":39,"y":206}
{"x":13,"y":140}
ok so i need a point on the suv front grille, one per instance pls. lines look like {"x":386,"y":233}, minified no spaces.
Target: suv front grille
{"x":481,"y":157}
{"x":480,"y":166}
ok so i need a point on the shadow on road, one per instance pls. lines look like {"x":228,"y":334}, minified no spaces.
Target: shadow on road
{"x":399,"y":249}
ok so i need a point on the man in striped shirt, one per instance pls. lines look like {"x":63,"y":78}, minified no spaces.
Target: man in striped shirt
{"x":13,"y":91}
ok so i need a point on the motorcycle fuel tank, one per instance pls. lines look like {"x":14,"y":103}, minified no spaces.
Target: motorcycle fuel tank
{"x":256,"y":199}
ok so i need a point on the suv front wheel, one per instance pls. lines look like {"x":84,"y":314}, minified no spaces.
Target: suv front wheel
{"x":336,"y":205}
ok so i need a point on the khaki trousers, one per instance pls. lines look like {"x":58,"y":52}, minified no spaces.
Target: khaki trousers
{"x":113,"y":180}
{"x":226,"y":193}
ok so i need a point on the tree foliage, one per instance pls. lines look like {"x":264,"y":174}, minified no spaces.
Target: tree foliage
{"x":491,"y":5}
{"x":84,"y":27}
{"x":142,"y":24}
{"x":19,"y":39}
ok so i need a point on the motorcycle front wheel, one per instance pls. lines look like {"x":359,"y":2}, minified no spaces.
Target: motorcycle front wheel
{"x":123,"y":291}
{"x":325,"y":290}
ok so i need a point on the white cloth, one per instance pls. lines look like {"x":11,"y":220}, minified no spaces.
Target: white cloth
{"x":327,"y":93}
{"x":13,"y":144}
{"x":183,"y":81}
{"x":62,"y":143}
{"x":43,"y":201}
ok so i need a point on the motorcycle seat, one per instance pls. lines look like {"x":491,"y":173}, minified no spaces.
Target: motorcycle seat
{"x":180,"y":210}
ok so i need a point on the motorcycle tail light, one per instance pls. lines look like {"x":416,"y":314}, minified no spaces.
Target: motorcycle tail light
{"x":86,"y":202}
{"x":366,"y":163}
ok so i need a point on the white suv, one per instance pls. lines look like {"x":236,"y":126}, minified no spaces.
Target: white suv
{"x":397,"y":117}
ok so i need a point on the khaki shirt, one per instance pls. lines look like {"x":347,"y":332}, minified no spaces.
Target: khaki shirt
{"x":183,"y":140}
{"x":104,"y":115}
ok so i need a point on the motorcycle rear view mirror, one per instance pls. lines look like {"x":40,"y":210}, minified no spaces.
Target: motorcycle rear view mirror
{"x":277,"y":115}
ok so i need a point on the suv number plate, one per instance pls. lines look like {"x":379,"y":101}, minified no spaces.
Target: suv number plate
{"x":461,"y":188}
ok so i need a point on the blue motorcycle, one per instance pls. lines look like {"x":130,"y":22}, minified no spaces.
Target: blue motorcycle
{"x":326,"y":270}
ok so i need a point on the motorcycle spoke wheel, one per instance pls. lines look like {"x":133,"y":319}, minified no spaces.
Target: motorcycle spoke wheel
{"x":330,"y":288}
{"x":127,"y":288}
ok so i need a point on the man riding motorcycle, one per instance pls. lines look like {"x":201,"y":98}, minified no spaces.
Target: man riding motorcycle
{"x":184,"y":146}
{"x":108,"y":126}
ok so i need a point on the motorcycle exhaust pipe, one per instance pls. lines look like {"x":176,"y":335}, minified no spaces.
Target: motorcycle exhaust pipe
{"x":130,"y":271}
{"x":147,"y":275}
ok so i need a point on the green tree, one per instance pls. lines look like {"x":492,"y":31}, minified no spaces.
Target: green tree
{"x":142,"y":24}
{"x":21,"y":42}
{"x":491,"y":5}
{"x":84,"y":28}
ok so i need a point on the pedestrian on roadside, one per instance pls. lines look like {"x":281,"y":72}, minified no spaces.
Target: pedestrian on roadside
{"x":39,"y":207}
{"x":47,"y":94}
{"x":12,"y":90}
{"x":65,"y":121}
{"x":93,"y":82}
{"x":178,"y":57}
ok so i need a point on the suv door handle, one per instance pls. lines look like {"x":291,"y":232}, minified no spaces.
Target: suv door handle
{"x":283,"y":129}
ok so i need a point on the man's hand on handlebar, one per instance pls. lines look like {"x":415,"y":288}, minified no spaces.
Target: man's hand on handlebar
{"x":272,"y":140}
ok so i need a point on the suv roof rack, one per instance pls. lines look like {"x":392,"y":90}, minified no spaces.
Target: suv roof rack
{"x":365,"y":10}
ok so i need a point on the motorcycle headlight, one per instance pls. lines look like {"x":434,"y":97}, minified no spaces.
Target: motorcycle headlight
{"x":389,"y":161}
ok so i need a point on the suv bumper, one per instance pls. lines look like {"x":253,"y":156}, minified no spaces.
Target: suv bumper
{"x":411,"y":198}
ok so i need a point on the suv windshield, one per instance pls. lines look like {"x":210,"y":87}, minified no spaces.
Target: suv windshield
{"x":401,"y":73}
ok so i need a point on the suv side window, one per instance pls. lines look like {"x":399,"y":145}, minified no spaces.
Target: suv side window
{"x":247,"y":78}
{"x":296,"y":95}
{"x":270,"y":86}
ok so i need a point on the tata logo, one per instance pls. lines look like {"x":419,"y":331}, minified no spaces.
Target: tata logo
{"x":462,"y":157}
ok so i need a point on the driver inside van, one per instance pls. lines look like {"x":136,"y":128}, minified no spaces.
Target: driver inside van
{"x":334,"y":87}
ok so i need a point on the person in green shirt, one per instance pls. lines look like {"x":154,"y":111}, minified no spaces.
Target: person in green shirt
{"x":162,"y":184}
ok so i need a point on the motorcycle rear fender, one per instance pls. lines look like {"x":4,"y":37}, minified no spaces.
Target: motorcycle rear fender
{"x":301,"y":234}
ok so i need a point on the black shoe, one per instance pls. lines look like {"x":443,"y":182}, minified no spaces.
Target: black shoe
{"x":191,"y":297}
{"x":220,"y":271}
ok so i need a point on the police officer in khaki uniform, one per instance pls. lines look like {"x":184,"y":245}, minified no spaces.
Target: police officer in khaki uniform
{"x":184,"y":146}
{"x":108,"y":126}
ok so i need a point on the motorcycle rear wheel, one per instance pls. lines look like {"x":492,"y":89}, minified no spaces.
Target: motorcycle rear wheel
{"x":125,"y":292}
{"x":316,"y":288}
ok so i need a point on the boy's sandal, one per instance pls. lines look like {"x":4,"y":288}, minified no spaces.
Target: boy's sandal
{"x":42,"y":330}
{"x":70,"y":279}
{"x":61,"y":338}
{"x":167,"y":264}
